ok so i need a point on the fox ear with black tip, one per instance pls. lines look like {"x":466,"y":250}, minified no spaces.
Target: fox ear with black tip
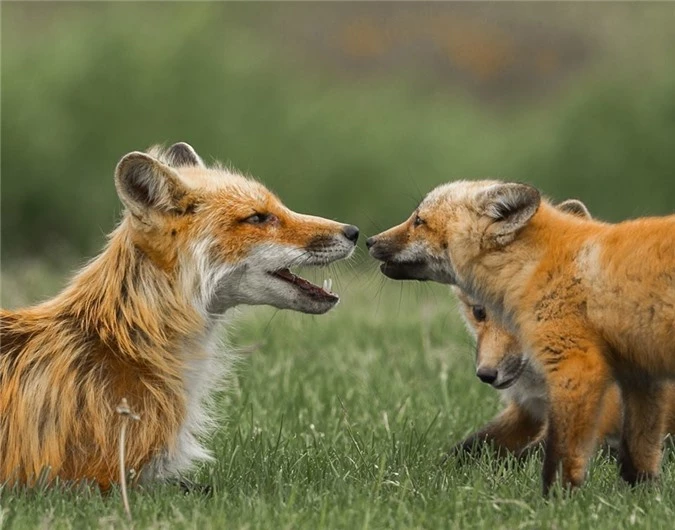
{"x":146,"y":185}
{"x":574,"y":207}
{"x":510,"y":206}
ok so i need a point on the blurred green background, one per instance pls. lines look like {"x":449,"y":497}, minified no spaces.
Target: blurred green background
{"x":348,"y":110}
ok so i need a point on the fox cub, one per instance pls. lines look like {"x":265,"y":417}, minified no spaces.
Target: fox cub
{"x":141,"y":321}
{"x":592,"y":304}
{"x":502,"y":363}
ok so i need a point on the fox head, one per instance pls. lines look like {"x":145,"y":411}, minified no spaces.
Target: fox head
{"x":500,"y":358}
{"x":454,"y":226}
{"x":225,"y":238}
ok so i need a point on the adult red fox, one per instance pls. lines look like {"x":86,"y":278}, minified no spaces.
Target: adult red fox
{"x":592,"y":304}
{"x":141,"y":321}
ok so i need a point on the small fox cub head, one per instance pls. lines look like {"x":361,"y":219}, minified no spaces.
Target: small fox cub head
{"x":225,"y":238}
{"x":454,"y":224}
{"x":500,"y":359}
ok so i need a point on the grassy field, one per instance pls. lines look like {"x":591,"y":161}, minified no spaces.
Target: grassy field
{"x":339,"y":422}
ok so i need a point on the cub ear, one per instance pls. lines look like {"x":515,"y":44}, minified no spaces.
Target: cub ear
{"x":144,"y":184}
{"x":574,"y":207}
{"x":182,"y":154}
{"x":510,"y":206}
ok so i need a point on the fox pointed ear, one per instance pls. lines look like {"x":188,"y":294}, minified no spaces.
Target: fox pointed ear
{"x":510,"y":206}
{"x":574,"y":207}
{"x":145,"y":184}
{"x":182,"y":154}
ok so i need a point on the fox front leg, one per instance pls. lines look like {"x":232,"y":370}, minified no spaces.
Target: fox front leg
{"x":510,"y":431}
{"x":577,"y":380}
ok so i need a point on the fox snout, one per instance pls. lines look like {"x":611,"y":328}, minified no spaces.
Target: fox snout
{"x":393,"y":247}
{"x":324,"y":242}
{"x":336,"y":243}
{"x":487,"y":374}
{"x":389,"y":252}
{"x":383,"y":249}
{"x":406,"y":259}
{"x":351,"y":232}
{"x":504,"y":374}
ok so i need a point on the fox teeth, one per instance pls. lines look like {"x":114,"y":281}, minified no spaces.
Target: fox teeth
{"x":327,"y":284}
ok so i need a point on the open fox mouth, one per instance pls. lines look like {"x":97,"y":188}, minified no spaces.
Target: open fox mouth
{"x":315,"y":292}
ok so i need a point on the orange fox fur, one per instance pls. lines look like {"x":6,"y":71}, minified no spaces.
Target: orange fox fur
{"x":592,"y":303}
{"x":523,"y":421}
{"x":501,"y":362}
{"x":141,"y":321}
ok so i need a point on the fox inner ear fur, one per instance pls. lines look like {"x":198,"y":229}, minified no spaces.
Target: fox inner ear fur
{"x":182,"y":154}
{"x":145,"y":184}
{"x":574,"y":207}
{"x":510,"y":206}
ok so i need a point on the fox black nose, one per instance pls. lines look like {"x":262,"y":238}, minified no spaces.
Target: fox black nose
{"x":487,"y":375}
{"x":351,"y":232}
{"x":370,"y":242}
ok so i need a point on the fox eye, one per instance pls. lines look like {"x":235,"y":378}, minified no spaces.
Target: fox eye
{"x":479,"y":313}
{"x":260,"y":218}
{"x":418,"y":221}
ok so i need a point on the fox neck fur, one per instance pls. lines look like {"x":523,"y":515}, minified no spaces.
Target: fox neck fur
{"x":143,"y":325}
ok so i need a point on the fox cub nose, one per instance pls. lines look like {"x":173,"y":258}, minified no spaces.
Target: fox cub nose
{"x":351,"y":232}
{"x":370,"y":242}
{"x":487,"y":375}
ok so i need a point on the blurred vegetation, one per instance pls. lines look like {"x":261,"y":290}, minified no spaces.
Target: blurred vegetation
{"x":351,"y":111}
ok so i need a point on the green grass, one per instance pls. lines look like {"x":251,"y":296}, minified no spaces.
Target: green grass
{"x":339,"y":421}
